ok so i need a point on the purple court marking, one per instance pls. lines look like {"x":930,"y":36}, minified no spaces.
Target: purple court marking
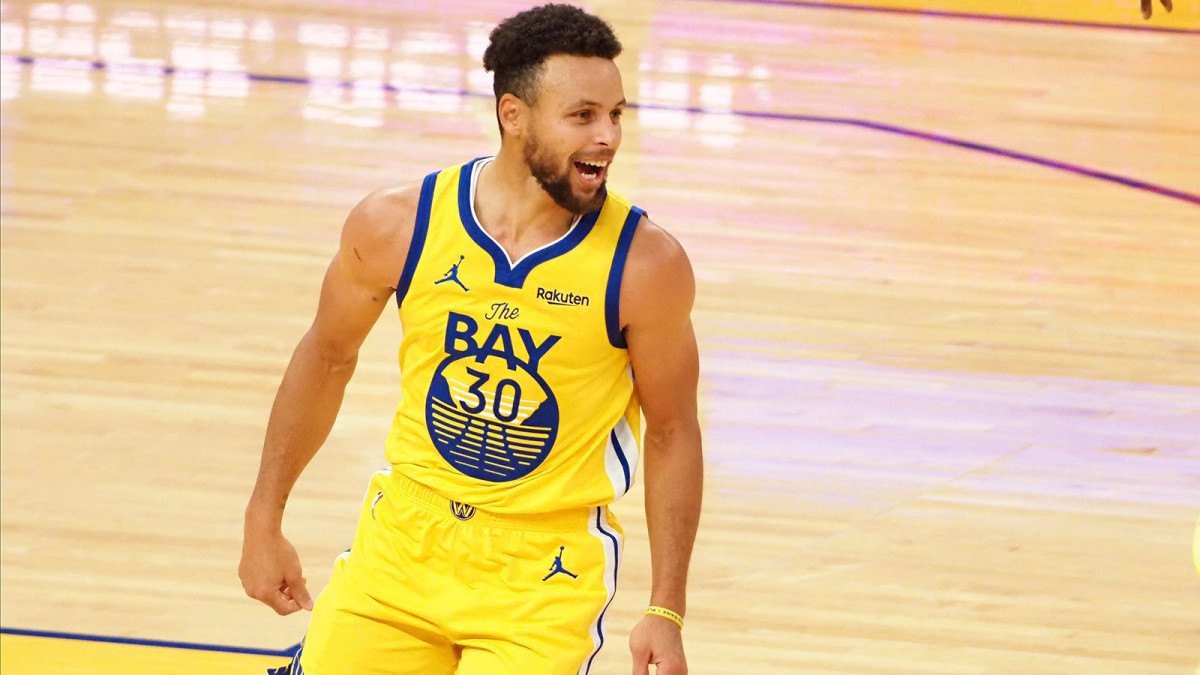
{"x":970,"y":16}
{"x":282,"y":653}
{"x":947,"y":140}
{"x":753,"y":114}
{"x":907,"y":429}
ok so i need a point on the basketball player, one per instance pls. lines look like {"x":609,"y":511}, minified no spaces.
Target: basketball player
{"x":541,"y":311}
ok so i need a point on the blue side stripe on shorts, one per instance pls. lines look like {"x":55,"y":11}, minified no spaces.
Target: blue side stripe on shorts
{"x":296,"y":668}
{"x":616,"y":563}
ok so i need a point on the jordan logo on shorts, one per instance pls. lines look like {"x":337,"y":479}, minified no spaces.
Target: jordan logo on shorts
{"x":557,"y":567}
{"x":452,"y":275}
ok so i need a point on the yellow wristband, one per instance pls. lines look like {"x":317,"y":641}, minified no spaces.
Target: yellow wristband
{"x":666,"y":614}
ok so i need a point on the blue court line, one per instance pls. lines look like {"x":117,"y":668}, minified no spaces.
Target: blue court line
{"x":753,"y":114}
{"x":969,"y":16}
{"x":194,"y":646}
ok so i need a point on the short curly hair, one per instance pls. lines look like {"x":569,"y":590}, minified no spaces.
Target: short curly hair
{"x":522,"y":43}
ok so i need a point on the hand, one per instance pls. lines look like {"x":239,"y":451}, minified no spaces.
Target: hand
{"x":657,"y":641}
{"x":270,"y":572}
{"x":1148,"y":7}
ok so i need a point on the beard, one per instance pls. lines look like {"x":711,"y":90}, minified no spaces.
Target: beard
{"x":558,"y":185}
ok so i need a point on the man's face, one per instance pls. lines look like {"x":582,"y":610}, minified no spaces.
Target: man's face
{"x":575,"y":129}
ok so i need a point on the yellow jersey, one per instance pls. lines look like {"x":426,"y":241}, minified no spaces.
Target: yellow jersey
{"x":517,"y":393}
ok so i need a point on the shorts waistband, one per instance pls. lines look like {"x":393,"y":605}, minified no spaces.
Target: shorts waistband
{"x":565,"y":520}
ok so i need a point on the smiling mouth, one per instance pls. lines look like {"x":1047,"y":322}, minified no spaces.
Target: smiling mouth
{"x":592,"y":170}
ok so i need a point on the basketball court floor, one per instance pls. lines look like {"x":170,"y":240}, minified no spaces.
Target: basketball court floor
{"x":948,"y":263}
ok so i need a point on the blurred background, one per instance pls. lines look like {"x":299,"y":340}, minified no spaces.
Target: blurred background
{"x":948,"y":310}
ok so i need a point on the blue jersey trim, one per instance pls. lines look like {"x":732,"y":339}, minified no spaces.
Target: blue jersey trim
{"x":612,"y":294}
{"x":506,"y":273}
{"x":420,"y":230}
{"x":621,"y":457}
{"x":616,"y":568}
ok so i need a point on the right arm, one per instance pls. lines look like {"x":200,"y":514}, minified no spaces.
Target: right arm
{"x":358,"y":284}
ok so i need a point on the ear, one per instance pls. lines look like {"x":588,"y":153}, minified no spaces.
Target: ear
{"x":513,"y":114}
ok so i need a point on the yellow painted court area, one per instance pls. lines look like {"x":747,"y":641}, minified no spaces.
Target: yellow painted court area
{"x":24,"y":655}
{"x":1186,"y":13}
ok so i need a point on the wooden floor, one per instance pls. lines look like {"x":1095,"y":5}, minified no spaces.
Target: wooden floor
{"x":949,"y":312}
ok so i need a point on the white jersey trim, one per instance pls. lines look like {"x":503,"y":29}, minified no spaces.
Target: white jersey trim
{"x":612,"y":543}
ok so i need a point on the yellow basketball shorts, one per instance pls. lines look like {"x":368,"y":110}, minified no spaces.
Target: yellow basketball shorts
{"x":433,"y":587}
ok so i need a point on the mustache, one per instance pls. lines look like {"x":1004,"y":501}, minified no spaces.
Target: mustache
{"x":606,"y":157}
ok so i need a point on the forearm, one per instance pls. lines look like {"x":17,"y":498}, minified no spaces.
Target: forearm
{"x":674,"y":486}
{"x":304,"y":411}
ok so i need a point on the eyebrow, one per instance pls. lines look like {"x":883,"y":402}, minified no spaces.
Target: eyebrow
{"x":585,"y":102}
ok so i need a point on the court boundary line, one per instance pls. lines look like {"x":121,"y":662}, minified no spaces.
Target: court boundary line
{"x":144,"y":642}
{"x":954,"y":142}
{"x":994,"y":150}
{"x":949,"y":14}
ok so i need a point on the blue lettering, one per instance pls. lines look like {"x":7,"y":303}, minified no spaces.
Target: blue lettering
{"x":536,"y":351}
{"x":499,"y":334}
{"x":460,"y":341}
{"x":461,"y":328}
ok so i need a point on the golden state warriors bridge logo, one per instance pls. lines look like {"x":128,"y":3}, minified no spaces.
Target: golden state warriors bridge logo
{"x":489,"y":413}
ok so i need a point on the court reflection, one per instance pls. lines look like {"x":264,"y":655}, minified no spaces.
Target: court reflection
{"x":358,"y":70}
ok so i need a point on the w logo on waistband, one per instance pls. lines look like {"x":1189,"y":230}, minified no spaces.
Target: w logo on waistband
{"x":462,"y":511}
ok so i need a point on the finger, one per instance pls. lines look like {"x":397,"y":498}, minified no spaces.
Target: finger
{"x":1147,"y":8}
{"x":298,"y":591}
{"x":282,"y":604}
{"x":672,"y":667}
{"x":1167,"y":5}
{"x":262,"y":593}
{"x":641,"y":661}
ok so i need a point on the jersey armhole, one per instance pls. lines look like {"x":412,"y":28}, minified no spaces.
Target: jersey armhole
{"x":612,"y":293}
{"x":420,"y":230}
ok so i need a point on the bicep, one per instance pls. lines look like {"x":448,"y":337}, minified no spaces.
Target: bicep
{"x":363,"y":275}
{"x":349,"y":306}
{"x":666,"y":368}
{"x":659,"y":333}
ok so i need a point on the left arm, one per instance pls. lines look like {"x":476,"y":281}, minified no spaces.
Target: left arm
{"x":658,"y":289}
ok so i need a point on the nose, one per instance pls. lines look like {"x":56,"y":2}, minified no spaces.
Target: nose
{"x":609,"y":133}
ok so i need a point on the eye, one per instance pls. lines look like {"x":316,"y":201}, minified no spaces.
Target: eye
{"x":584,"y":115}
{"x":616,"y":115}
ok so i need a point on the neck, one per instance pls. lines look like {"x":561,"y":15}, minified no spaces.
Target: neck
{"x":510,"y":202}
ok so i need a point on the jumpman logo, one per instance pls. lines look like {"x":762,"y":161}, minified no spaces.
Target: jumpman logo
{"x":557,"y":567}
{"x":452,"y":275}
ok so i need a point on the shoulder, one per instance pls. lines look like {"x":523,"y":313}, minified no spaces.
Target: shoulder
{"x":658,"y":278}
{"x":384,"y":215}
{"x":377,"y":234}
